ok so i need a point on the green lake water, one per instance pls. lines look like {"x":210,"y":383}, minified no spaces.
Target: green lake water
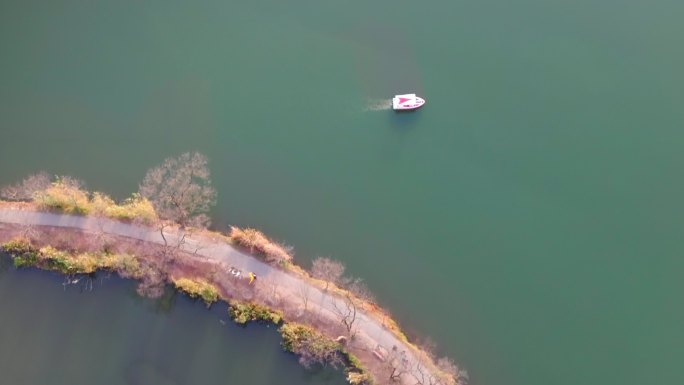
{"x":101,"y":332}
{"x":528,"y":219}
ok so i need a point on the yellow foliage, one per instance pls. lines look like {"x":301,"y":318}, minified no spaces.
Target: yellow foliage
{"x":244,"y":312}
{"x":356,"y":378}
{"x":126,"y":265}
{"x":197,"y":288}
{"x":100,"y":203}
{"x":256,"y":241}
{"x":71,"y":200}
{"x":249,"y":238}
{"x":64,"y":197}
{"x":135,"y":207}
{"x":86,"y":263}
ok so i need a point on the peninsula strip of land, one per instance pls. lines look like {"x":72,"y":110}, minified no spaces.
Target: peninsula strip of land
{"x":159,"y":237}
{"x":289,"y":293}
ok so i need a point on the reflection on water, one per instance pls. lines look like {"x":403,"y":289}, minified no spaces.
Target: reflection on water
{"x":527,"y":183}
{"x":4,"y":263}
{"x":59,"y":334}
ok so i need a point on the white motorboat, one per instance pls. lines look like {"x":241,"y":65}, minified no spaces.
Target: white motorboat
{"x":407,"y":102}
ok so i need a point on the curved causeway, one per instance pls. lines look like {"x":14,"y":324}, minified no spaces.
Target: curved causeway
{"x":369,"y":329}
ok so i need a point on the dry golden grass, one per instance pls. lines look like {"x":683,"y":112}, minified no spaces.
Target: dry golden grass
{"x":196,"y":287}
{"x":258,"y":243}
{"x":50,"y":258}
{"x":64,"y":197}
{"x":69,"y":198}
{"x":88,"y":262}
{"x":356,"y":378}
{"x":244,"y":312}
{"x":133,"y":208}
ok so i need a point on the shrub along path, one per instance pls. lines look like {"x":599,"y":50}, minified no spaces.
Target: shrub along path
{"x":288,"y":284}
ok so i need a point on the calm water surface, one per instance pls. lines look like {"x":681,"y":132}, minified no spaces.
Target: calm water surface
{"x":53,"y":335}
{"x":528,"y":219}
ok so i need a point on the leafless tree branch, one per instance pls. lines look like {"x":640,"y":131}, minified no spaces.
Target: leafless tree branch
{"x":180,"y":190}
{"x":346,"y":313}
{"x":328,"y":270}
{"x":24,"y":190}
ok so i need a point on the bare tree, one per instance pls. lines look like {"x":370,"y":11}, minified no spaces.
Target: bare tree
{"x":448,"y":373}
{"x":24,"y":190}
{"x":29,"y":232}
{"x":328,"y":270}
{"x":346,"y":312}
{"x":153,"y":281}
{"x":320,"y":355}
{"x":312,"y":348}
{"x":102,"y":238}
{"x":453,"y":373}
{"x":151,"y":284}
{"x":173,"y":244}
{"x":396,"y":364}
{"x":357,"y":287}
{"x":428,"y":346}
{"x":70,"y":182}
{"x":421,"y":375}
{"x":180,"y":190}
{"x":273,"y":290}
{"x":304,"y":292}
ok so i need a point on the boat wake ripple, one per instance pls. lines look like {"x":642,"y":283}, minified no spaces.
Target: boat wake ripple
{"x":378,"y":104}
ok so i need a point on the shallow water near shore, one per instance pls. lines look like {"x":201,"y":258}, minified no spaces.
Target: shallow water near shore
{"x":528,"y":218}
{"x":109,"y":335}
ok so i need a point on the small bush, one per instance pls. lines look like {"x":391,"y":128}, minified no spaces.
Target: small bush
{"x":17,"y":246}
{"x":25,"y":260}
{"x":100,"y":203}
{"x":198,"y":288}
{"x":296,"y":269}
{"x":53,"y":259}
{"x":49,"y":258}
{"x":243,"y":313}
{"x":21,"y":251}
{"x":356,"y":378}
{"x":258,"y":243}
{"x":64,"y":195}
{"x":312,"y":346}
{"x":356,"y":372}
{"x":353,"y":361}
{"x":67,"y":263}
{"x":127,"y":266}
{"x":133,"y":208}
